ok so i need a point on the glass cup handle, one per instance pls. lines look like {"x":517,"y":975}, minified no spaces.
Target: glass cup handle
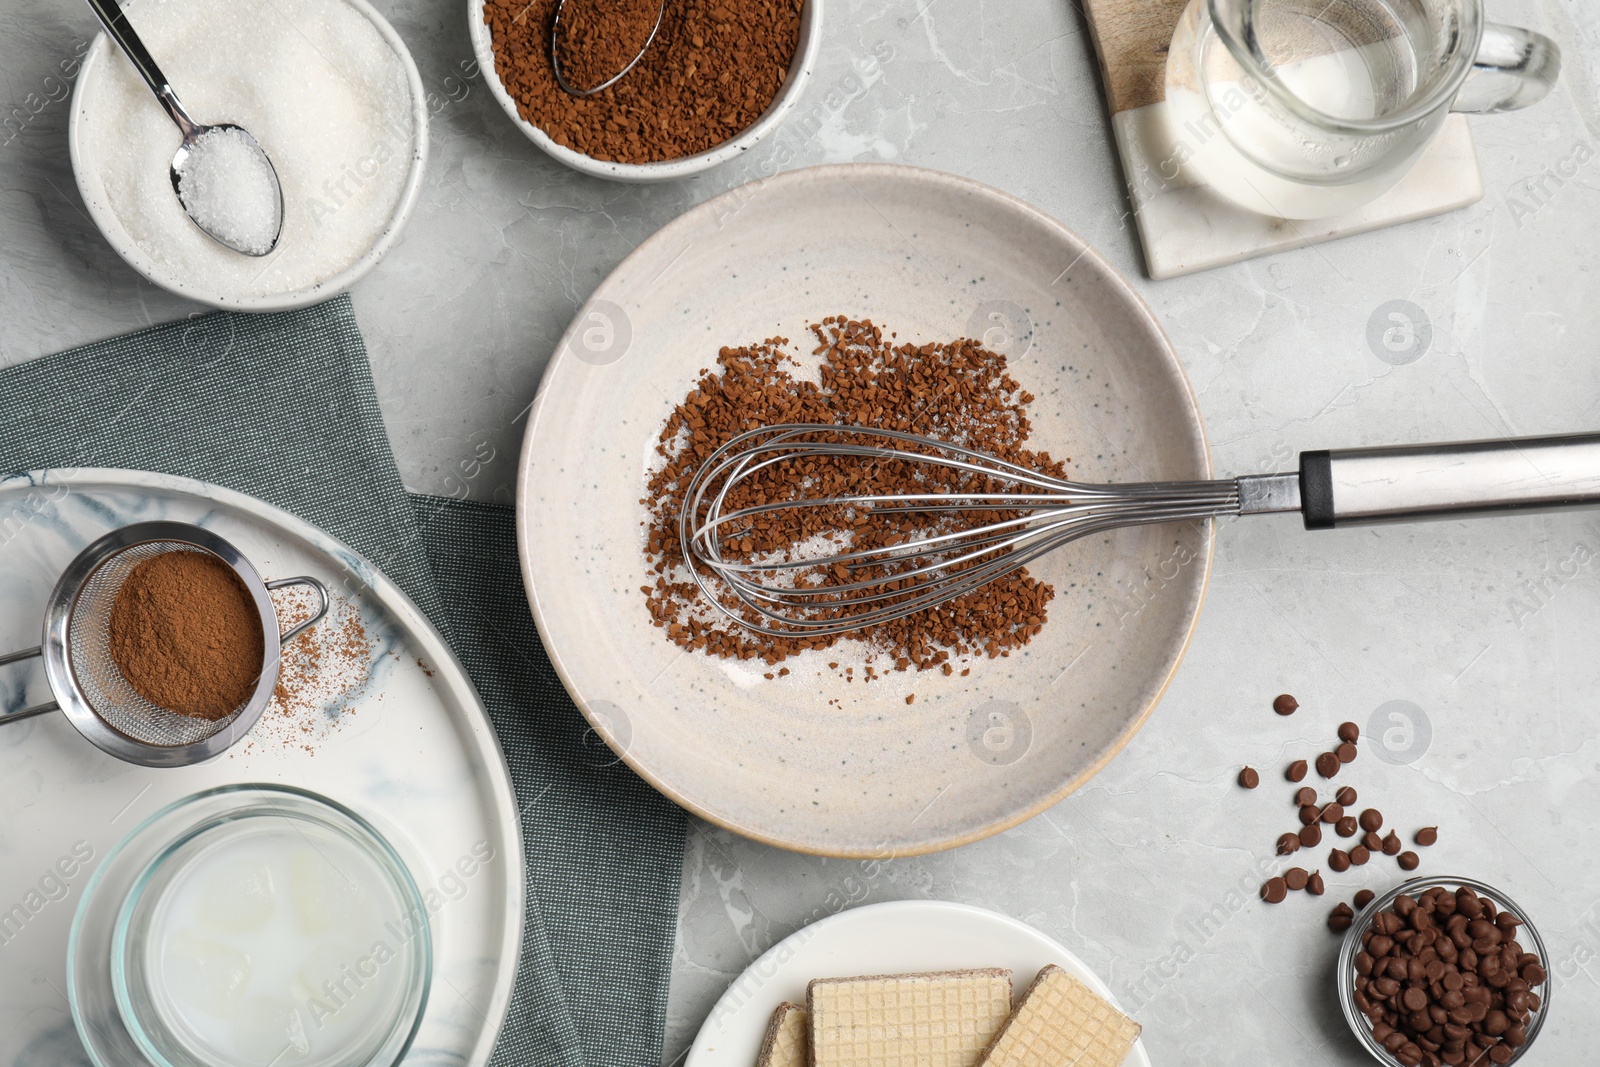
{"x":1514,"y":68}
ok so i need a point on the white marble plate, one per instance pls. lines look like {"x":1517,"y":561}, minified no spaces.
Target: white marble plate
{"x":412,"y":751}
{"x":810,"y":761}
{"x":902,"y":936}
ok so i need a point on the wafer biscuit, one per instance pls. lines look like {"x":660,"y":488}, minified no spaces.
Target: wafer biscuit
{"x":1062,"y":1021}
{"x":942,"y":1019}
{"x":787,"y":1043}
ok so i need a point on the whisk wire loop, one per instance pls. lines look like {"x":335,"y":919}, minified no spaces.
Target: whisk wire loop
{"x":813,"y":592}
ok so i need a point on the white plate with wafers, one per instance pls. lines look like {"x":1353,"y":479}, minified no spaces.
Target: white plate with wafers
{"x":901,"y":938}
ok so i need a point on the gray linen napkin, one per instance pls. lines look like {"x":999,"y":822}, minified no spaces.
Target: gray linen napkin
{"x":282,"y":407}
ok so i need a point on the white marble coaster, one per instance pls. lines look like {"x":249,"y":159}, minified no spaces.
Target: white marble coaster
{"x":1185,"y":226}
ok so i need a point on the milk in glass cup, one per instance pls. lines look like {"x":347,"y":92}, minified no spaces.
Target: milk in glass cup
{"x":1302,"y":109}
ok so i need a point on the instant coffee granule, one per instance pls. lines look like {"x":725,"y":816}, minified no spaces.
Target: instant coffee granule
{"x":599,"y":38}
{"x":712,"y":70}
{"x":186,"y":635}
{"x":956,"y":391}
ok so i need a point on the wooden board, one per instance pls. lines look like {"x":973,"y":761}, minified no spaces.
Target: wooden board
{"x":1131,"y":37}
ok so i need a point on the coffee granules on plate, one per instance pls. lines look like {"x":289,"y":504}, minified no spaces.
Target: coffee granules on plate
{"x":712,"y":70}
{"x":956,"y":391}
{"x":1442,"y":980}
{"x":186,"y":635}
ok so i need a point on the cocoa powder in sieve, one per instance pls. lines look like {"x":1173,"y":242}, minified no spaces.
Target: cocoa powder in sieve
{"x":712,"y":70}
{"x":186,"y":635}
{"x":956,"y":391}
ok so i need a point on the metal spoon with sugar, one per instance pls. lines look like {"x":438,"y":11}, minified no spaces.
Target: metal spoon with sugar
{"x":220,"y":174}
{"x":575,"y":25}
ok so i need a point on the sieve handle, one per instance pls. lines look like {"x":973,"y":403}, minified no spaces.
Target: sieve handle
{"x":37,"y":709}
{"x":322,"y":605}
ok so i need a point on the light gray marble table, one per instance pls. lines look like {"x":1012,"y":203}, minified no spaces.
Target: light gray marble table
{"x":1485,"y":631}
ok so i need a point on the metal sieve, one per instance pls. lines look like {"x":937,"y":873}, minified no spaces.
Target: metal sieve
{"x":90,"y":688}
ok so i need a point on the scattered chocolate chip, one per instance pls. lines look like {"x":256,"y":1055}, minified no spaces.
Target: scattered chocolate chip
{"x":1346,"y":796}
{"x":1427,"y":835}
{"x":1305,"y":796}
{"x":1349,"y":732}
{"x":1360,"y":855}
{"x":1372,"y":819}
{"x":1249,"y":778}
{"x":1339,"y":860}
{"x":1346,"y":753}
{"x":1328,"y":764}
{"x":1332,"y":813}
{"x":1364,"y":897}
{"x":1287,"y":843}
{"x":1314,"y":884}
{"x":1296,"y":878}
{"x":1285,"y":704}
{"x":1346,"y":826}
{"x":1274,"y":890}
{"x":1310,"y":835}
{"x":1309,"y":814}
{"x":1296,"y":771}
{"x":1391,"y":843}
{"x":1340,"y":917}
{"x":1408,"y":860}
{"x":1372,"y":841}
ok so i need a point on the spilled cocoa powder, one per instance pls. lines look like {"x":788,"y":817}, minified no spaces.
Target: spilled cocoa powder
{"x":186,"y":635}
{"x":714,"y":67}
{"x":957,"y":391}
{"x":320,"y":673}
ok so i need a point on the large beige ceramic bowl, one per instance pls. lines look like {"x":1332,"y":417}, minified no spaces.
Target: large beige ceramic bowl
{"x":810,"y":761}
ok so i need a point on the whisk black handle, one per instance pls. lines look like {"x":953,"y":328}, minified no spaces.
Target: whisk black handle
{"x":1405,"y":483}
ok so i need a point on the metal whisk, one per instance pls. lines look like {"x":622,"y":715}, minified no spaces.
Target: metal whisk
{"x":831,"y":592}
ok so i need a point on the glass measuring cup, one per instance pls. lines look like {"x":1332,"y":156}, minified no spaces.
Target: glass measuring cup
{"x":1306,"y":108}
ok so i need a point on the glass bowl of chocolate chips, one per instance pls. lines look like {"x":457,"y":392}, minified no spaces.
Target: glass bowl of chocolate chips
{"x":1445,"y":971}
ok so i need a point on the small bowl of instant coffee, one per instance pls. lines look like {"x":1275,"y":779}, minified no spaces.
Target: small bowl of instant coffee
{"x":718,"y":76}
{"x":1444,"y":971}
